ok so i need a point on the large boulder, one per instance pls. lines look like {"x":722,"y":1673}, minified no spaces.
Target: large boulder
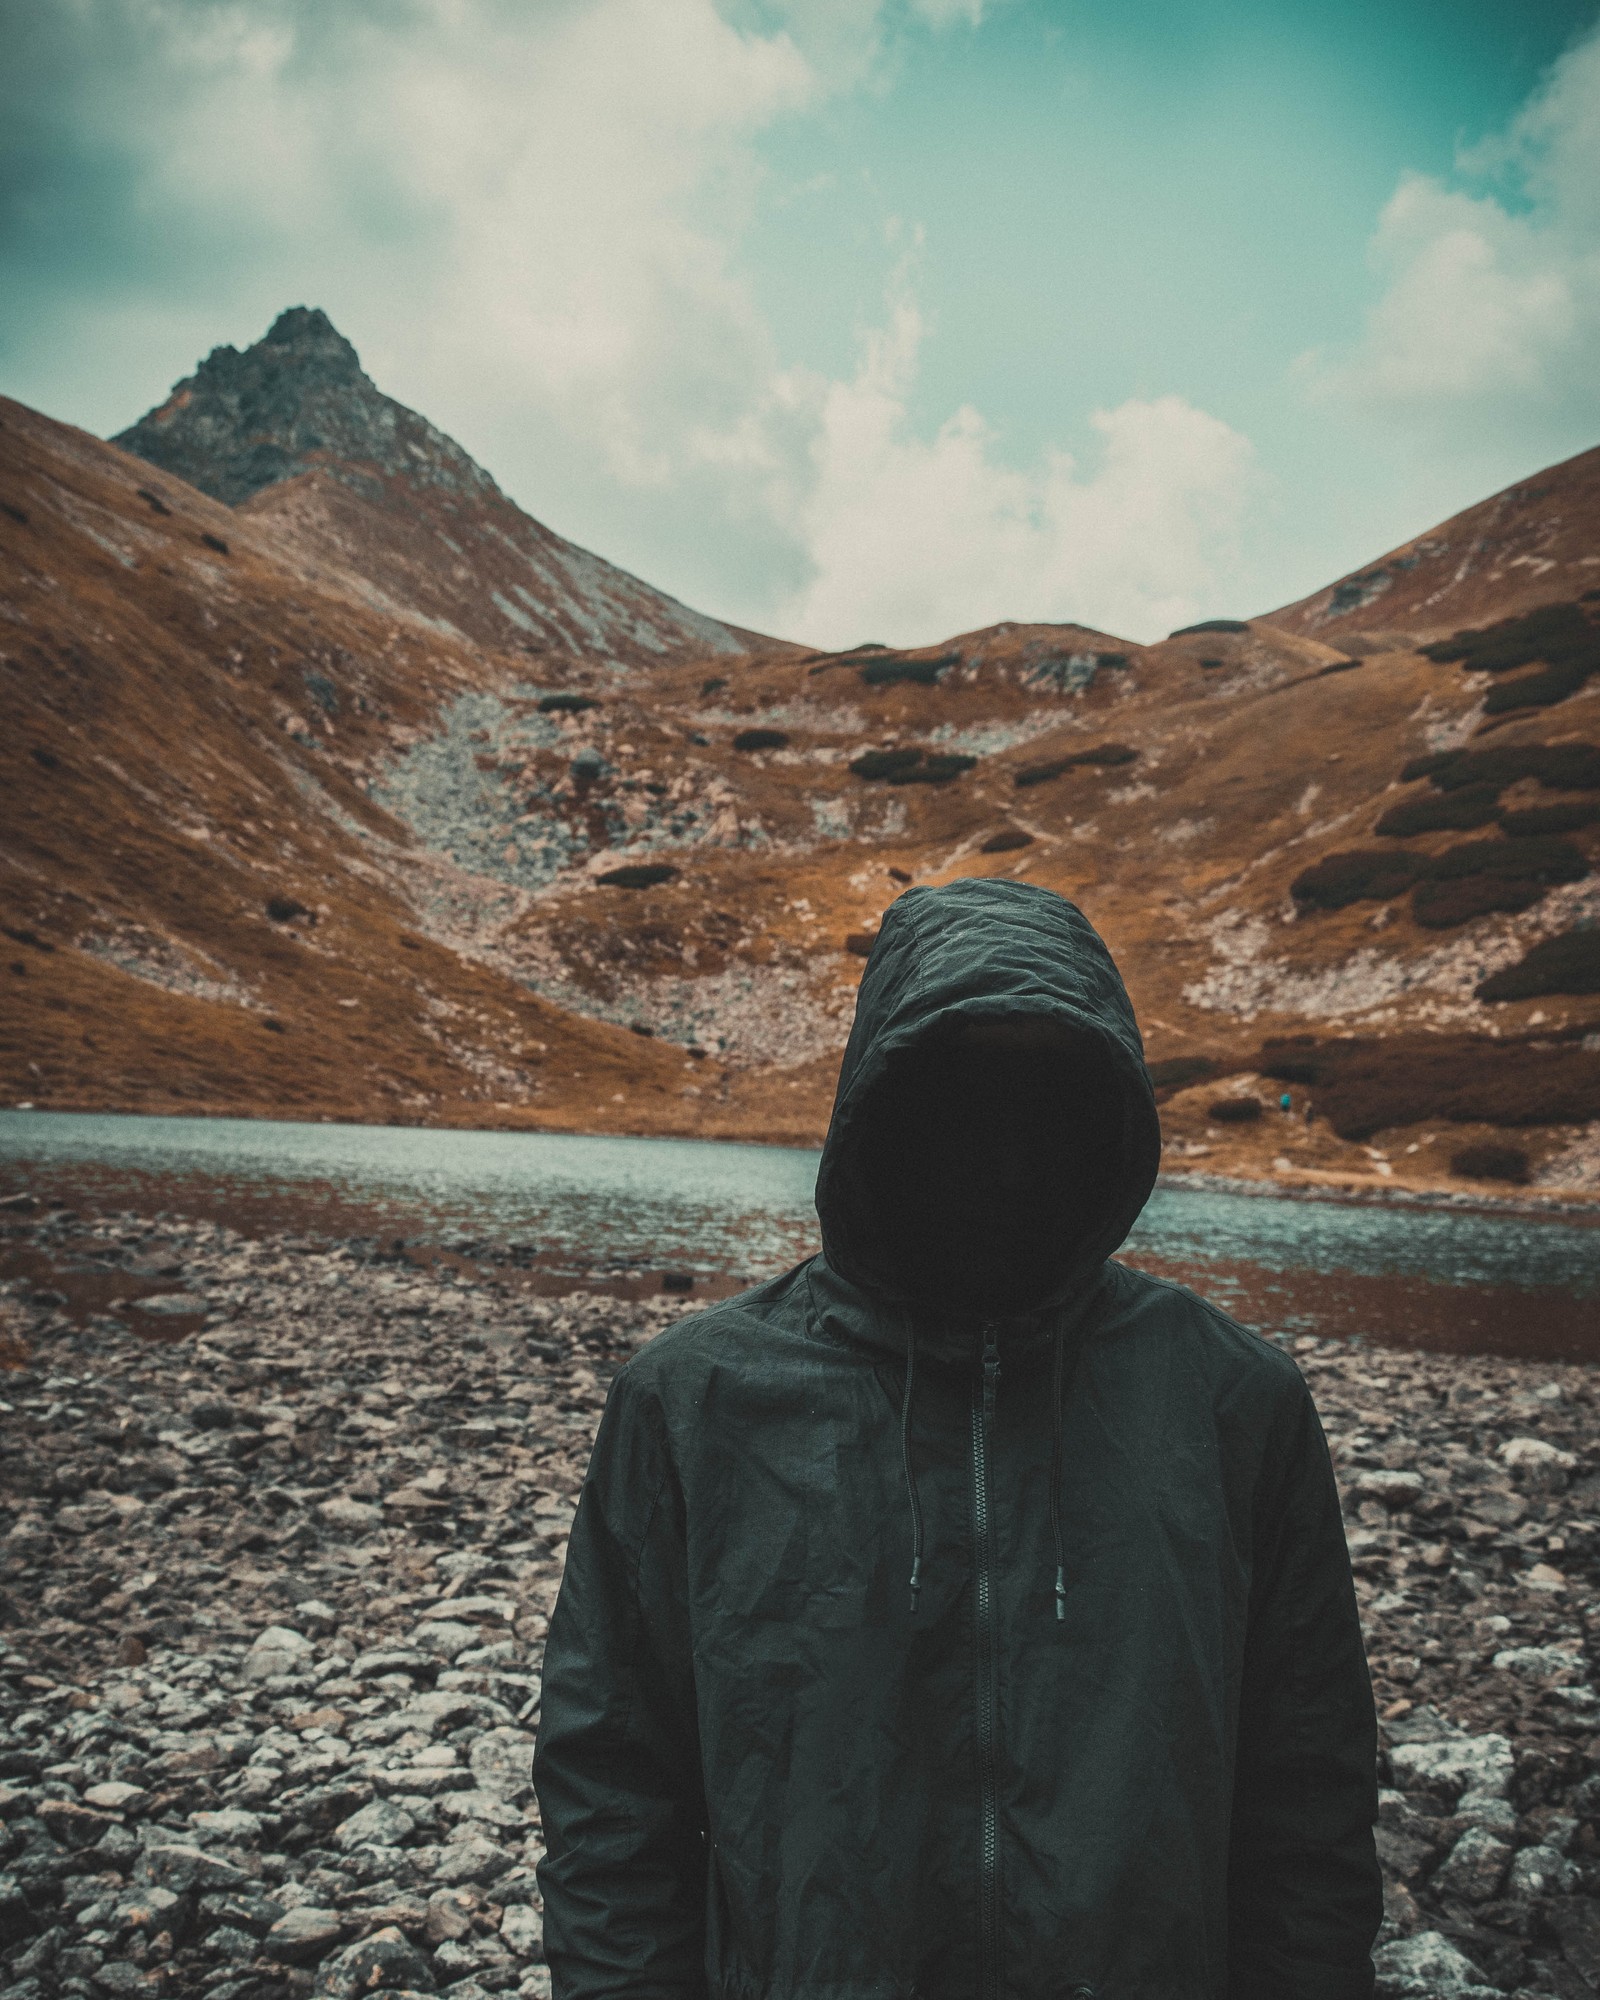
{"x":381,"y":1963}
{"x":1475,"y":1867}
{"x":381,"y":1824}
{"x":278,"y":1651}
{"x":1429,"y":1967}
{"x":502,"y":1762}
{"x":1464,"y":1766}
{"x":180,"y":1867}
{"x":301,"y":1936}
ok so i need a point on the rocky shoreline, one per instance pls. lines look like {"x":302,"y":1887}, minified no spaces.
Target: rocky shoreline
{"x":282,"y":1537}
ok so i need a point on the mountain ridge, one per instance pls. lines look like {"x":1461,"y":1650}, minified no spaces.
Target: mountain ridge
{"x":1531,"y":543}
{"x":290,"y":837}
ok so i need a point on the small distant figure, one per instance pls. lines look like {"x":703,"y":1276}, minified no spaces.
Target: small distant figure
{"x":1310,"y":1113}
{"x":1286,"y":1104}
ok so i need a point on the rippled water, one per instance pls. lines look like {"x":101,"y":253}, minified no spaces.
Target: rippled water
{"x":1440,"y":1276}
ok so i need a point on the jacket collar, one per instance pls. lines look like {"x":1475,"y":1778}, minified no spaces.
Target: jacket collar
{"x":848,"y":1313}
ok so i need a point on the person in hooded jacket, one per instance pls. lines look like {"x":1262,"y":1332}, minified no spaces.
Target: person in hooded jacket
{"x":963,"y":1615}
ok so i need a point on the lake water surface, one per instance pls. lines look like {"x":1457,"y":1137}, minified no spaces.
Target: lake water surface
{"x":1467,"y":1278}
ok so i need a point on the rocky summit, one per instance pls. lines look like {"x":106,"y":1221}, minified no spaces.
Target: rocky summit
{"x":297,"y":400}
{"x":364,"y":489}
{"x":277,"y":1570}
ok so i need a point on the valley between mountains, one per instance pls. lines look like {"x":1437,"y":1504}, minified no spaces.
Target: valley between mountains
{"x":337,"y":787}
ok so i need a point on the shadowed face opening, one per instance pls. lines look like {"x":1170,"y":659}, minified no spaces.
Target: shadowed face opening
{"x":988,"y":1158}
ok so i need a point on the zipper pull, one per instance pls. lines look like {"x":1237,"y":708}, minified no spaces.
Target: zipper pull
{"x":991,"y":1373}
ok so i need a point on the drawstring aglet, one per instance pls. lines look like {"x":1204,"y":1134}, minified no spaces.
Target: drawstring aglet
{"x":916,"y":1583}
{"x":1061,"y":1594}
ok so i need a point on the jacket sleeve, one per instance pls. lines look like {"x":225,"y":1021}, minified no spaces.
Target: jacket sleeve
{"x":617,"y":1768}
{"x":1305,"y":1895}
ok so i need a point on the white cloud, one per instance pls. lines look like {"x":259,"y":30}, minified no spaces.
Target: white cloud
{"x":913,"y":539}
{"x":1490,"y":312}
{"x":528,"y":219}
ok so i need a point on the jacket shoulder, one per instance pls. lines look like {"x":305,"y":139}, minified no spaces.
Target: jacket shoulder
{"x":699,"y":1341}
{"x":1219,"y":1341}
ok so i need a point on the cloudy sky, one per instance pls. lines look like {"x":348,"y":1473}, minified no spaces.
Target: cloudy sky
{"x":855,"y":319}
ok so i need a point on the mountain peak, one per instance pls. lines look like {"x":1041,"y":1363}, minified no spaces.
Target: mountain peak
{"x":398,"y":506}
{"x":313,"y":337}
{"x":297,"y":400}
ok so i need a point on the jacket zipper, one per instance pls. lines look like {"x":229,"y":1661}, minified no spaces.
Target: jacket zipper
{"x":983,"y":1404}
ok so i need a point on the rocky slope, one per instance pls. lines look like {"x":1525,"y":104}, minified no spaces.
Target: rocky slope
{"x":1533,"y":544}
{"x":202,"y":905}
{"x":286,"y":832}
{"x":282,"y":1542}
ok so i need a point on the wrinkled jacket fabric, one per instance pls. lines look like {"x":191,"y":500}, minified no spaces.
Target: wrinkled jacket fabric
{"x":760,"y":1774}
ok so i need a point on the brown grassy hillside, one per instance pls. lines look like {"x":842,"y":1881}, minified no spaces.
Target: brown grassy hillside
{"x":281,"y":838}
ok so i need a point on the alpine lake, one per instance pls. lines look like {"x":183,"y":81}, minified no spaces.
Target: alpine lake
{"x":634,"y":1216}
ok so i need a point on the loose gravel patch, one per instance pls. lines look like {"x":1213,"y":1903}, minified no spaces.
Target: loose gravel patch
{"x":277,"y":1574}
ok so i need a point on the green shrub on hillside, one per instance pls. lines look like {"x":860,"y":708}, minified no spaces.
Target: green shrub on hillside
{"x":1545,"y":860}
{"x":1482,"y":876}
{"x":911,"y":767}
{"x":1559,"y":636}
{"x":1553,"y":633}
{"x":1363,"y":874}
{"x":638,"y":875}
{"x":1441,"y":906}
{"x":925,"y":673}
{"x":1490,"y":1162}
{"x":1425,"y":767}
{"x":1107,"y":756}
{"x":1566,"y":817}
{"x":1431,"y":812}
{"x":1363,"y":1085}
{"x":1565,"y":767}
{"x":1176,"y":1072}
{"x":879,"y":764}
{"x":1569,"y":963}
{"x":937,"y":768}
{"x":1541,"y":690}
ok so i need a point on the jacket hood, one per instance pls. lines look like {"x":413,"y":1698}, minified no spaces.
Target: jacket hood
{"x":948,"y":964}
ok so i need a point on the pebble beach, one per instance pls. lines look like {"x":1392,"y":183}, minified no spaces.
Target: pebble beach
{"x":281,"y":1538}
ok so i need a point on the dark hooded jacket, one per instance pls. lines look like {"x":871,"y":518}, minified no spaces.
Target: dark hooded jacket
{"x":1124,"y":1744}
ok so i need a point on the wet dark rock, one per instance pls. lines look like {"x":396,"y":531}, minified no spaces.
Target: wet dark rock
{"x":383,"y":1962}
{"x":1475,"y":1867}
{"x":74,"y":1825}
{"x":304,"y":1935}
